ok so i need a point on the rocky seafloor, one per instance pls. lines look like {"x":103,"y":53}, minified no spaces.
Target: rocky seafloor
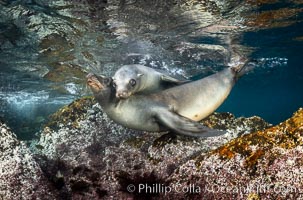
{"x":81,"y":154}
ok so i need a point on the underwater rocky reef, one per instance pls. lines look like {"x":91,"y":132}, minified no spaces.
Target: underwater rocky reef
{"x":82,"y":154}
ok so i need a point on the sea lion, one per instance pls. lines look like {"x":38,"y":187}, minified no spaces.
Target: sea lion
{"x":177,"y":109}
{"x":131,"y":79}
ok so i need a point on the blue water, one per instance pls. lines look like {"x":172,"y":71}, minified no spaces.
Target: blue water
{"x":272,"y":91}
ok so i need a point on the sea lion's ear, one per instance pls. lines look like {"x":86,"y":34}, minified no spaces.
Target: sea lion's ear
{"x":139,"y":75}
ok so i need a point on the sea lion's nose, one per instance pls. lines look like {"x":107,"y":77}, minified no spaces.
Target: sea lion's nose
{"x":90,"y":78}
{"x":121,"y":94}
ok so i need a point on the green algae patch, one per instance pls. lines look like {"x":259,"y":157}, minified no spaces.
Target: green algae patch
{"x":56,"y":48}
{"x":253,"y":196}
{"x":61,"y":72}
{"x":253,"y":146}
{"x":135,"y":142}
{"x":71,"y":114}
{"x":153,"y":160}
{"x":163,"y":140}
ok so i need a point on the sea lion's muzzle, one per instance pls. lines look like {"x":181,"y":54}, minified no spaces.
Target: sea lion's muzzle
{"x":123,"y":94}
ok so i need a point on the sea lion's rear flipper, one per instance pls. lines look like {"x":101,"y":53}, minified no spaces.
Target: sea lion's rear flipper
{"x":171,"y":79}
{"x":185,"y":126}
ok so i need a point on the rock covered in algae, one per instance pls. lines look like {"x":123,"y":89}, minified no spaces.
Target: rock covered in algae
{"x":100,"y":159}
{"x":71,"y":114}
{"x":20,"y":175}
{"x":97,"y":158}
{"x":262,"y":165}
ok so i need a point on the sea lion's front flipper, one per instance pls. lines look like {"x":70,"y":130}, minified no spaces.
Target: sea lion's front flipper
{"x":185,"y":126}
{"x":171,"y":79}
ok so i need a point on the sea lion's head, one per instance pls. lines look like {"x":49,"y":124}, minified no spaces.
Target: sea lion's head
{"x":126,"y":82}
{"x":98,"y":84}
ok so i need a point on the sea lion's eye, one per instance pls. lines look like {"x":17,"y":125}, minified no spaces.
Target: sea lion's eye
{"x":132,"y":82}
{"x":107,"y":81}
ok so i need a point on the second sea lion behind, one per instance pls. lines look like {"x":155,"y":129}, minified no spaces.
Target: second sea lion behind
{"x":132,"y":79}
